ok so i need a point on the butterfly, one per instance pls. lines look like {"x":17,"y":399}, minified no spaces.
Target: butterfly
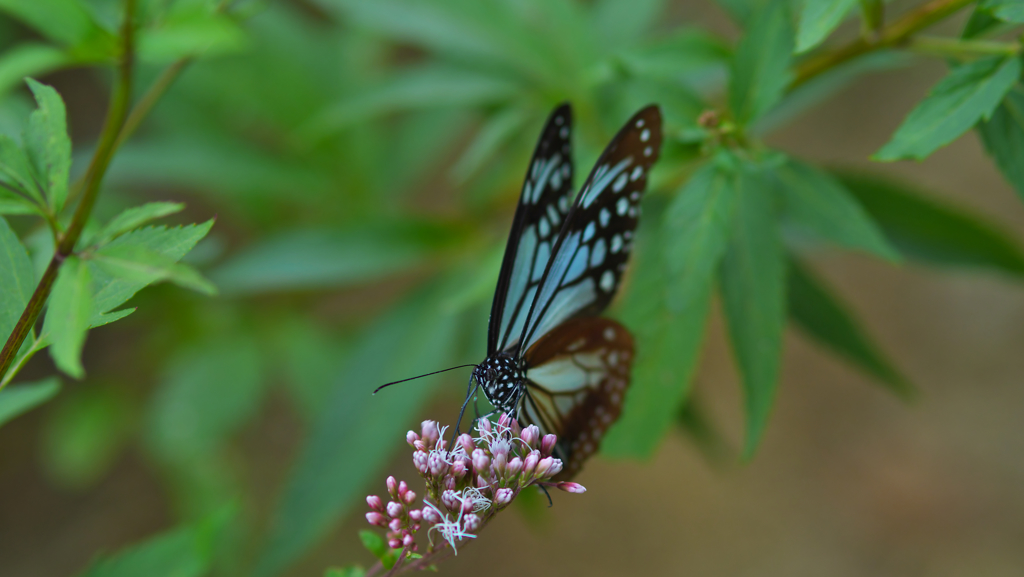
{"x":551,"y":361}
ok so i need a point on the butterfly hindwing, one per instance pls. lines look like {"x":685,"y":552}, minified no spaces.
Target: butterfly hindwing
{"x":543,"y":205}
{"x":591,"y":252}
{"x":577,"y":376}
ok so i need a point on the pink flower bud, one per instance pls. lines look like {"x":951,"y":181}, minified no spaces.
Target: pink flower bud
{"x":375,"y":518}
{"x":458,"y":469}
{"x":450,"y":500}
{"x":450,"y":483}
{"x":394,"y":509}
{"x":419,"y":460}
{"x":416,"y":515}
{"x":467,"y":443}
{"x":437,"y":464}
{"x":503,"y":496}
{"x":482,"y":483}
{"x":514,"y":467}
{"x":530,"y":463}
{"x":504,"y":420}
{"x":430,"y":515}
{"x":500,"y":447}
{"x":471,"y":522}
{"x":483,"y":425}
{"x":513,"y":427}
{"x":411,"y":437}
{"x":409,"y":497}
{"x":429,"y":433}
{"x":402,"y":488}
{"x":392,"y":486}
{"x":407,"y":540}
{"x":375,"y":503}
{"x":395,"y":544}
{"x":395,"y":525}
{"x":543,"y":466}
{"x":572,"y":487}
{"x":500,"y":464}
{"x":419,"y":446}
{"x":467,"y":503}
{"x":547,"y":445}
{"x":481,"y":464}
{"x":530,"y":436}
{"x":555,"y":468}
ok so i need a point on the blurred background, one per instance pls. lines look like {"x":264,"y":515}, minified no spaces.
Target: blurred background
{"x":363,"y":166}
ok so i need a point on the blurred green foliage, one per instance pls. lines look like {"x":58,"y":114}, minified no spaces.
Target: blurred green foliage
{"x":374,"y":150}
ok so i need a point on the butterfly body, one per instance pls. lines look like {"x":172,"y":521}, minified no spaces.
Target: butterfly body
{"x":551,"y":361}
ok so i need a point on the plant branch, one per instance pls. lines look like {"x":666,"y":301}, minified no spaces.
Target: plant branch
{"x":116,"y":114}
{"x":960,"y":48}
{"x":894,"y":34}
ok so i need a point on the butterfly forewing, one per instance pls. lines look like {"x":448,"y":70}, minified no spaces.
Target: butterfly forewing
{"x":593,"y":247}
{"x":577,"y":376}
{"x":543,"y":206}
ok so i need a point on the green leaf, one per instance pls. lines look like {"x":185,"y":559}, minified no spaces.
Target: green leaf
{"x":697,"y":225}
{"x":495,"y":132}
{"x":183,"y":552}
{"x":16,"y":170}
{"x":23,"y":397}
{"x":419,"y":88}
{"x":1003,"y":136}
{"x":1006,"y":10}
{"x":760,"y":68}
{"x":753,"y":296}
{"x":191,"y":33}
{"x":172,"y":243}
{"x":374,"y":543}
{"x":980,"y":23}
{"x":617,"y":23}
{"x":137,"y":216}
{"x":83,"y":435}
{"x":29,"y":59}
{"x":814,"y":200}
{"x":932,"y":232}
{"x":140,"y":264}
{"x":48,"y":144}
{"x":821,"y":314}
{"x":688,"y":52}
{"x":668,"y":343}
{"x":17,"y":281}
{"x":356,"y":432}
{"x":969,"y":93}
{"x":64,"y":21}
{"x":207,"y":393}
{"x":697,"y":427}
{"x":353,"y":571}
{"x":316,"y":259}
{"x":71,"y":306}
{"x":818,"y":19}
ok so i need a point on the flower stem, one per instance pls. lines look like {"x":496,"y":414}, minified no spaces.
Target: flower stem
{"x":894,"y":34}
{"x":961,"y":48}
{"x":116,"y":114}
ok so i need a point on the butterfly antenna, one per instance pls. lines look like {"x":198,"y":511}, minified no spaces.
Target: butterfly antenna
{"x":420,"y":376}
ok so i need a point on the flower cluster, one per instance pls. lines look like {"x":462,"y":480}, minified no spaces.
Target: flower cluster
{"x":467,"y":484}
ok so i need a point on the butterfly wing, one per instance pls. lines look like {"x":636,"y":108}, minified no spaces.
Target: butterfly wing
{"x":595,"y":242}
{"x":577,"y":377}
{"x":544,"y":203}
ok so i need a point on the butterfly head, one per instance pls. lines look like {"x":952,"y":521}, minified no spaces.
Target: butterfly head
{"x":502,"y":381}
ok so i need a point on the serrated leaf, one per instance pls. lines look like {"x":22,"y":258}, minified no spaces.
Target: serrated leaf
{"x":48,"y":144}
{"x":172,"y":243}
{"x":818,"y":18}
{"x":330,"y":475}
{"x":17,"y":281}
{"x":1003,"y":137}
{"x":969,"y":93}
{"x":753,"y":297}
{"x":23,"y":397}
{"x":29,"y":59}
{"x":824,"y":317}
{"x":760,"y":68}
{"x":137,"y":216}
{"x":819,"y":203}
{"x":312,"y":259}
{"x":16,"y":169}
{"x":70,"y":308}
{"x":668,"y":344}
{"x":142,"y":265}
{"x":926,"y":230}
{"x":698,"y":224}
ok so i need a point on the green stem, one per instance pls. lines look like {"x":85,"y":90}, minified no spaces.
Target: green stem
{"x":960,"y":48}
{"x":116,"y":114}
{"x":873,"y":14}
{"x":889,"y":36}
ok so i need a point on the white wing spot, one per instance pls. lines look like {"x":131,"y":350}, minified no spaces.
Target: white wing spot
{"x":645,"y":135}
{"x":607,"y":281}
{"x":588,"y":233}
{"x":622,"y":206}
{"x":648,"y":151}
{"x":559,"y":120}
{"x":544,"y":227}
{"x":640,"y":123}
{"x":553,"y":215}
{"x":564,"y":132}
{"x":620,"y":183}
{"x":566,"y":169}
{"x":613,"y":359}
{"x":637,"y":173}
{"x":633,"y":212}
{"x":635,"y":196}
{"x":597,"y":256}
{"x":605,"y":216}
{"x":609,"y":334}
{"x":616,"y":243}
{"x":563,"y":203}
{"x":556,"y":180}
